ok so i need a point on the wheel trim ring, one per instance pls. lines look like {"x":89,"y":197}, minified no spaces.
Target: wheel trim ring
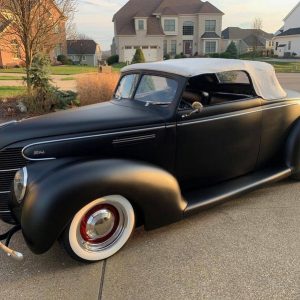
{"x":83,"y":225}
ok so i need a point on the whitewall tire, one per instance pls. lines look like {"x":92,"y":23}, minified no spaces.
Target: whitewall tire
{"x":100,"y":229}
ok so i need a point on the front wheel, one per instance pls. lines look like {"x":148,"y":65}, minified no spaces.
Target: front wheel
{"x":100,"y":229}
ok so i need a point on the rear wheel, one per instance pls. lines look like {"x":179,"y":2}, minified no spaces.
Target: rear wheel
{"x":100,"y":229}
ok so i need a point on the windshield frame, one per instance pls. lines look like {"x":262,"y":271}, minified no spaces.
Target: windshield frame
{"x":179,"y":79}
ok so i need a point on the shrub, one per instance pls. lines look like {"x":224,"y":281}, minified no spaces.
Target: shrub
{"x":63,"y":59}
{"x":214,"y":55}
{"x":167,"y":57}
{"x":39,"y":73}
{"x":232,"y":50}
{"x":114,"y":59}
{"x":138,"y":57}
{"x":181,"y":55}
{"x":95,"y":88}
{"x":225,"y":55}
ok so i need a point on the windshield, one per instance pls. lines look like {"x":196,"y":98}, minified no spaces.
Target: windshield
{"x":127,"y":86}
{"x":156,"y":89}
{"x":151,"y":89}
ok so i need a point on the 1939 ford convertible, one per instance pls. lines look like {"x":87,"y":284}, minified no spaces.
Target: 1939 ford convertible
{"x":178,"y":137}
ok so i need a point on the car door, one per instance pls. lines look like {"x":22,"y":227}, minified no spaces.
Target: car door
{"x":219,"y":143}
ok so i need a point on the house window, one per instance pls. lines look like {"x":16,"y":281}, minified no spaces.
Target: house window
{"x":83,"y":58}
{"x":128,"y":47}
{"x":290,"y":45}
{"x":153,"y":47}
{"x":145,"y":47}
{"x":210,"y":47}
{"x":210,"y":25}
{"x":16,"y":53}
{"x":169,"y":25}
{"x":141,"y":25}
{"x":165,"y":47}
{"x":58,"y":50}
{"x":276,"y":47}
{"x":137,"y":47}
{"x":188,"y":28}
{"x":173,"y":47}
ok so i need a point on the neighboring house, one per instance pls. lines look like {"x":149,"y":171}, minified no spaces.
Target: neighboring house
{"x":287,"y":40}
{"x":247,"y":40}
{"x":84,"y":52}
{"x":161,"y":27}
{"x":11,"y":55}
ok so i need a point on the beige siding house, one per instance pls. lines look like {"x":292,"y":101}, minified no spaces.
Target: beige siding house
{"x":247,"y":40}
{"x":161,"y":27}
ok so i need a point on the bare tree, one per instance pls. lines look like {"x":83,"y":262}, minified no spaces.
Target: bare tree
{"x":257,"y":26}
{"x":34,"y":26}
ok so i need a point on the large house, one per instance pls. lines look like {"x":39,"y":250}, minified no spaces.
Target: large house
{"x":247,"y":40}
{"x":161,"y":27}
{"x":84,"y":52}
{"x":287,"y":40}
{"x":11,"y":53}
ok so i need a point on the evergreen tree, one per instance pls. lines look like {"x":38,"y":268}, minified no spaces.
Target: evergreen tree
{"x":138,"y":57}
{"x":232,"y":50}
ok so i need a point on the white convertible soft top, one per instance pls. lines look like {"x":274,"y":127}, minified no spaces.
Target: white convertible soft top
{"x":262,"y":74}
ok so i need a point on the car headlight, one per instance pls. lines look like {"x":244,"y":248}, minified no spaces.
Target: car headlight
{"x":20,"y":184}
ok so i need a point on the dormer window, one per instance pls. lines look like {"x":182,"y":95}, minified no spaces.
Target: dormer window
{"x":141,"y":25}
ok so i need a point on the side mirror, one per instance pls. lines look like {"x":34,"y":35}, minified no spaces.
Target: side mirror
{"x":197,"y":108}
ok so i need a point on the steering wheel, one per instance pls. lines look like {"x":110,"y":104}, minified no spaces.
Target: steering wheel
{"x":185,"y":104}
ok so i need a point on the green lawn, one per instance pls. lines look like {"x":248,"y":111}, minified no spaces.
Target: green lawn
{"x":118,"y":67}
{"x":10,"y":78}
{"x":11,"y":91}
{"x":68,"y":78}
{"x":58,"y":70}
{"x":286,"y":67}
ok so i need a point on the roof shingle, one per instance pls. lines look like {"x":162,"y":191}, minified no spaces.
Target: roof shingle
{"x":79,"y":47}
{"x":124,"y":18}
{"x":291,"y":31}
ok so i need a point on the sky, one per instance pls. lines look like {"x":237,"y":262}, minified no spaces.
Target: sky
{"x":94,"y":17}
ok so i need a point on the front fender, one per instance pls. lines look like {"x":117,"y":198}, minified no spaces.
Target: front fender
{"x":53,"y":200}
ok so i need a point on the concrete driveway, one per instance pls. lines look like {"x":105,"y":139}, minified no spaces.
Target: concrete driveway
{"x":245,"y":249}
{"x":248,"y":248}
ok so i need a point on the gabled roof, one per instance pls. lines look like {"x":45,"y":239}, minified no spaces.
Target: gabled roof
{"x":79,"y":47}
{"x":124,"y":18}
{"x":186,"y":7}
{"x":291,"y":31}
{"x":254,"y":40}
{"x":237,"y":33}
{"x":297,"y":6}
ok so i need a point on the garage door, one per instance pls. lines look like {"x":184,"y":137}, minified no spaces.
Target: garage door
{"x":150,"y":53}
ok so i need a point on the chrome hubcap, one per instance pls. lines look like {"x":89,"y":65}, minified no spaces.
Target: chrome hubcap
{"x":100,"y":224}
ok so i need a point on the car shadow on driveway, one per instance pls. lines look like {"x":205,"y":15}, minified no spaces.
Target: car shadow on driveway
{"x":49,"y":276}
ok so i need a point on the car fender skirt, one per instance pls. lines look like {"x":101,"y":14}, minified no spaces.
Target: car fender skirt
{"x":53,"y":201}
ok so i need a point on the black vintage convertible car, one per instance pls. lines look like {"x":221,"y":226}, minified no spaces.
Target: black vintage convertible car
{"x":178,"y":137}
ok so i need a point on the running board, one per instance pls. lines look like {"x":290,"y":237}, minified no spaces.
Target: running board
{"x":208,"y":197}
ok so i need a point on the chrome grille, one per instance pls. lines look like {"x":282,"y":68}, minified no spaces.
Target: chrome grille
{"x":11,"y":160}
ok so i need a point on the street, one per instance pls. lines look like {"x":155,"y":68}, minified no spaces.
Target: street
{"x":247,"y":248}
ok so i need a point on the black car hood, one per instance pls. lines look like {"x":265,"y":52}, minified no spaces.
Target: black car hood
{"x":93,"y":118}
